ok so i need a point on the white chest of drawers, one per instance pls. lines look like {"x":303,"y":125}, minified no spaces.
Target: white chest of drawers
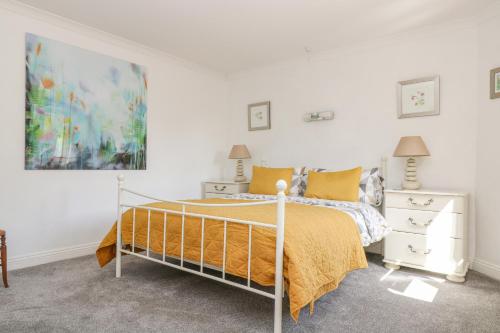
{"x":222,"y":188}
{"x":429,"y":232}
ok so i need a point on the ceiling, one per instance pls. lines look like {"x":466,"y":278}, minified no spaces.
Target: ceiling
{"x":232,"y":35}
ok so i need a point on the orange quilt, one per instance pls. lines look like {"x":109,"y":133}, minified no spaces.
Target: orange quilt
{"x":321,"y":244}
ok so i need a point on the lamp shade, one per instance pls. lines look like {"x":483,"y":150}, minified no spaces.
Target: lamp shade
{"x":239,"y":152}
{"x":411,"y":146}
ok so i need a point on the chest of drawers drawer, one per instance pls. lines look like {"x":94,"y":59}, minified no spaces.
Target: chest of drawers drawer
{"x":437,"y":224}
{"x":436,"y":203}
{"x":443,"y":255}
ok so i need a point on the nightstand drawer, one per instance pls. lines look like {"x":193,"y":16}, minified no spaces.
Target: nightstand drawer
{"x":436,"y":224}
{"x":222,"y":188}
{"x":436,"y":254}
{"x":436,"y":203}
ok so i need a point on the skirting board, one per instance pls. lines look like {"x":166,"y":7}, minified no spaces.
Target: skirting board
{"x":486,"y":268}
{"x":44,"y":257}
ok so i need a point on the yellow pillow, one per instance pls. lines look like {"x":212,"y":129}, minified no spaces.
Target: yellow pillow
{"x":340,"y":185}
{"x":264,"y":179}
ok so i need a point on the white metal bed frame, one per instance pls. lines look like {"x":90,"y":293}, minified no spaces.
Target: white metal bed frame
{"x":280,"y":236}
{"x":279,"y":227}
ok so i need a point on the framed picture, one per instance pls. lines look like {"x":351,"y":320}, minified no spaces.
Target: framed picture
{"x":495,"y":83}
{"x":259,"y":116}
{"x":418,"y":97}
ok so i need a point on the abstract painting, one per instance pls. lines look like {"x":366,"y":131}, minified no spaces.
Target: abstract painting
{"x":84,"y":110}
{"x":418,"y":97}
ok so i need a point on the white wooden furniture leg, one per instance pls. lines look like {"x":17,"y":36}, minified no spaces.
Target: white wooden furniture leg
{"x":455,"y":278}
{"x":392,"y":266}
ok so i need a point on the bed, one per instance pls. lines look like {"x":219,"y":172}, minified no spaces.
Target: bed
{"x":244,"y":240}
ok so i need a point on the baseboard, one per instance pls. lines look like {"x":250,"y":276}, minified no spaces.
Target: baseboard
{"x":44,"y":257}
{"x":487,"y":268}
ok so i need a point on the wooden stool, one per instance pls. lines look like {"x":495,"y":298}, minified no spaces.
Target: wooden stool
{"x":3,"y":255}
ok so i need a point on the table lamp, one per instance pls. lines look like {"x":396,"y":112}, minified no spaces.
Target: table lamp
{"x":239,"y":153}
{"x":411,"y":147}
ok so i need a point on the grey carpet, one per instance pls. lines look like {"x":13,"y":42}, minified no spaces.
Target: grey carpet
{"x":77,"y":296}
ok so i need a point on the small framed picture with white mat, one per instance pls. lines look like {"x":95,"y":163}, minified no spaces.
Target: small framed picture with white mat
{"x":418,"y":97}
{"x":259,"y":116}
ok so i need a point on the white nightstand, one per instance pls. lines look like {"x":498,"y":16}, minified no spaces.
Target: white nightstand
{"x":429,"y":232}
{"x":222,"y":188}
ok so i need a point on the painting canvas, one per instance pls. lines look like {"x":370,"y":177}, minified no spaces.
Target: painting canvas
{"x":84,"y":110}
{"x":419,"y":97}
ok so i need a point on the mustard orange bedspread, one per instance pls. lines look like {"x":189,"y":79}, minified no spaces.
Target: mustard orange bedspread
{"x":321,"y":244}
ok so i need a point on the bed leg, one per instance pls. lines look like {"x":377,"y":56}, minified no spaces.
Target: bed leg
{"x":118,"y":258}
{"x":118,"y":262}
{"x":280,"y":239}
{"x":278,"y":305}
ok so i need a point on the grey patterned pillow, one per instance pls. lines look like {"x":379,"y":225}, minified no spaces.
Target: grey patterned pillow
{"x":371,"y":190}
{"x":296,"y":181}
{"x":303,"y":179}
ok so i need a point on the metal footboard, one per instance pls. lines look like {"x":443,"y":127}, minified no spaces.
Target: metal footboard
{"x":279,"y":227}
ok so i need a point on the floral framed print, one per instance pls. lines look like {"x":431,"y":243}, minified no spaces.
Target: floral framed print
{"x":259,"y":116}
{"x":418,"y":97}
{"x":495,"y":83}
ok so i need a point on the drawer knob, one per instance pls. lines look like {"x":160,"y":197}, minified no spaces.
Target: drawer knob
{"x":220,"y":189}
{"x":417,"y":224}
{"x":412,"y":202}
{"x":418,"y":251}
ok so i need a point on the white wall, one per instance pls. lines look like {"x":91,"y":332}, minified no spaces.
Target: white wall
{"x":359,"y":84}
{"x":190,"y":129}
{"x":488,"y":158}
{"x":71,"y":210}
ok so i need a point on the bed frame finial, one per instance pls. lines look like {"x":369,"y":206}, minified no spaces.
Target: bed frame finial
{"x":281,"y":185}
